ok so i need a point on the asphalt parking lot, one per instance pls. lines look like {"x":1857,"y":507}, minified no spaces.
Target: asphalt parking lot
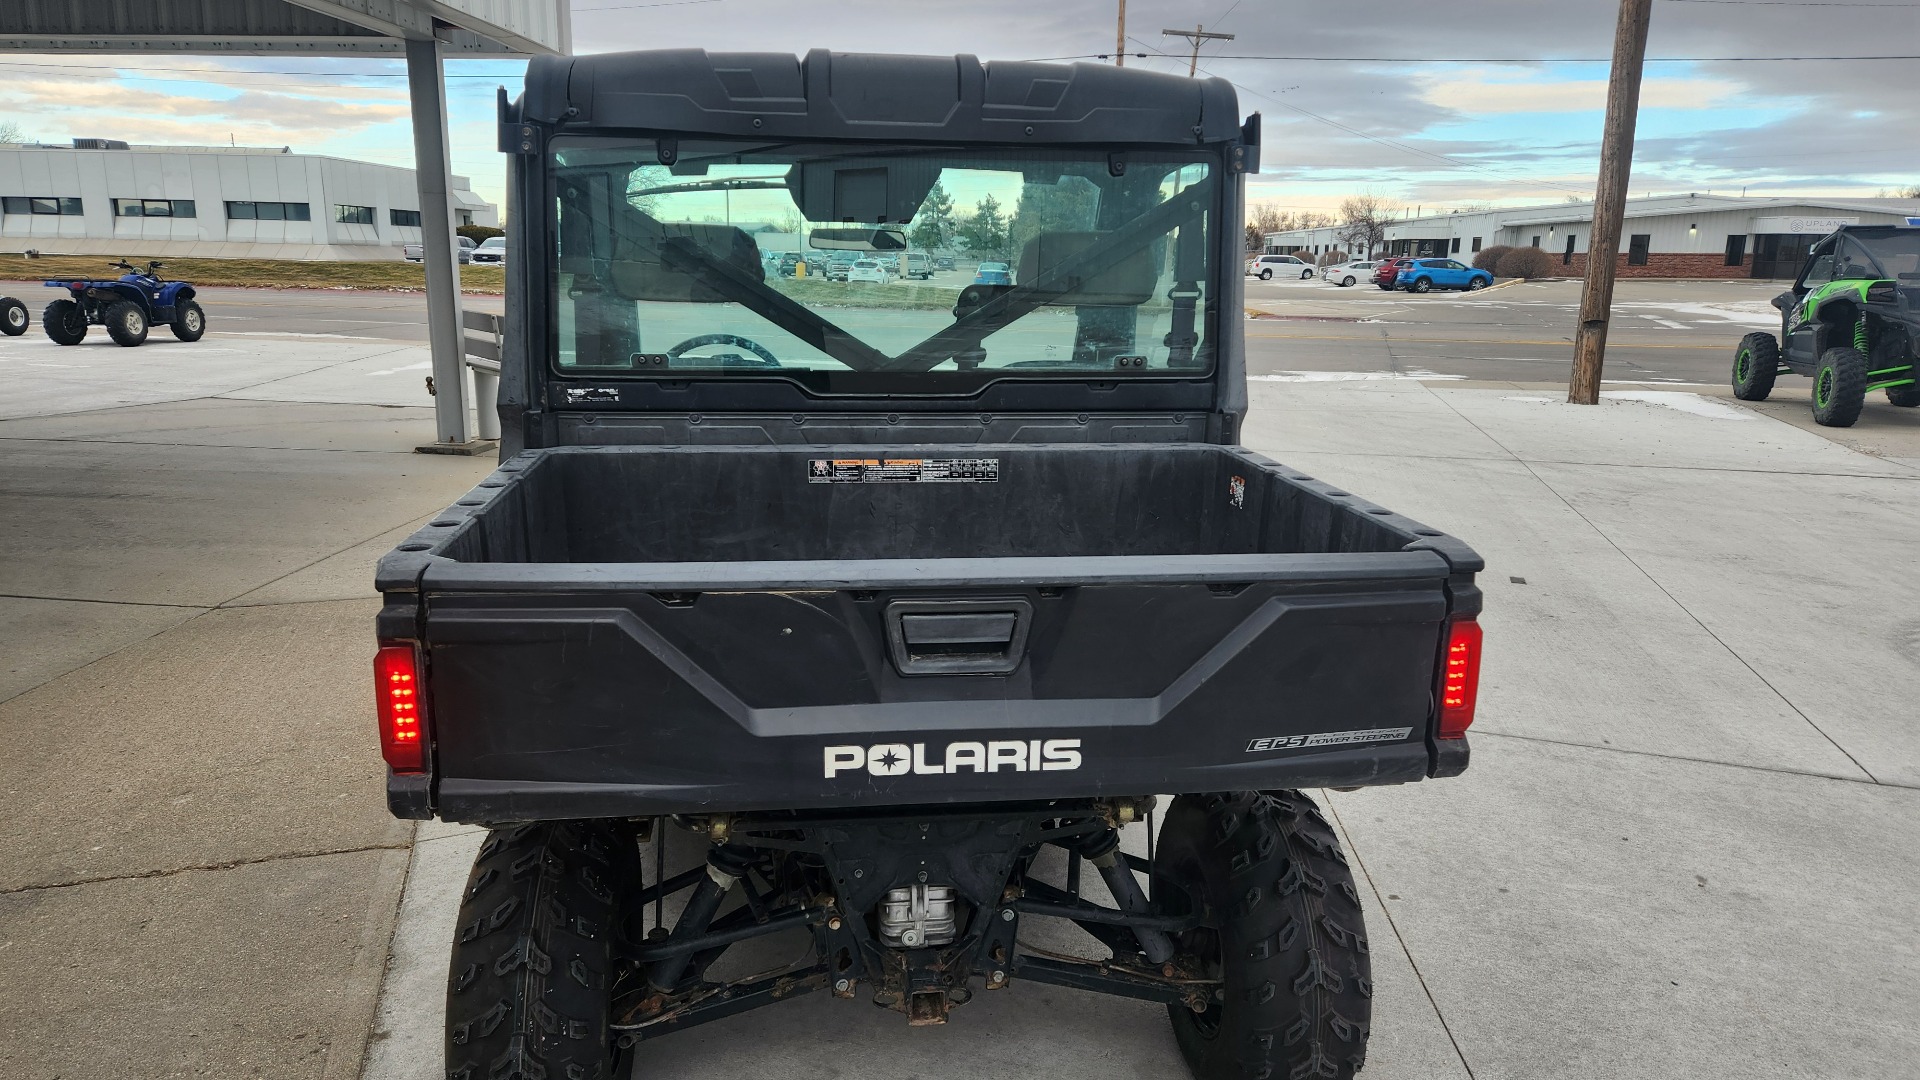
{"x":1661,"y":331}
{"x":1684,"y":847}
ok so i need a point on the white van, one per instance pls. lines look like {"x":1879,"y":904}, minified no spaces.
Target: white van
{"x":1265,"y":266}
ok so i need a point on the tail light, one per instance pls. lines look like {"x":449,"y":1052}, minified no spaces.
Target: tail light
{"x":1459,"y":678}
{"x":397,"y":691}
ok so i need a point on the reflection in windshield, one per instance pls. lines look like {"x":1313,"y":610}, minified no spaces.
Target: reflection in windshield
{"x":940,"y":265}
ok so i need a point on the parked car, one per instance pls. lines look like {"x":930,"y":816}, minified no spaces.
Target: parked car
{"x":418,"y":252}
{"x":1265,"y":266}
{"x":1346,"y":273}
{"x":919,"y":266}
{"x":837,"y":264}
{"x":993,"y":273}
{"x":492,"y":251}
{"x":872,"y":271}
{"x":787,"y":263}
{"x":1387,"y":272}
{"x":943,"y":262}
{"x":1425,"y":275}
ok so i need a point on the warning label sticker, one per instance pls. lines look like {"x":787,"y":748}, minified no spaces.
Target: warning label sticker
{"x":903,"y":470}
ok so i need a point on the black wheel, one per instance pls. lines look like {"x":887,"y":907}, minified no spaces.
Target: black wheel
{"x":1905,"y":396}
{"x":1475,"y":284}
{"x":1385,"y":286}
{"x":64,"y":322}
{"x":13,"y":317}
{"x":1346,"y":281}
{"x":1755,"y":363}
{"x":1422,"y":284}
{"x":1266,"y":274}
{"x":1839,"y":387}
{"x":1283,"y":930}
{"x":126,"y":323}
{"x":189,"y":322}
{"x":531,"y":987}
{"x":1305,"y":274}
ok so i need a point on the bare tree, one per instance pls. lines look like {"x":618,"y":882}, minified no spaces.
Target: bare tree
{"x":1363,"y":222}
{"x":1263,"y":219}
{"x":11,"y":132}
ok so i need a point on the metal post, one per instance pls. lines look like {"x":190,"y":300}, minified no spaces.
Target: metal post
{"x":427,"y":90}
{"x":1610,"y":200}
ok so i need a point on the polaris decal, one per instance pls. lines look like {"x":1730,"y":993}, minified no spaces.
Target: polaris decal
{"x":1329,"y":738}
{"x":1008,"y":755}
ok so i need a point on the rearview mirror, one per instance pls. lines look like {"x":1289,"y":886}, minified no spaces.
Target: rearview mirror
{"x":851,"y":239}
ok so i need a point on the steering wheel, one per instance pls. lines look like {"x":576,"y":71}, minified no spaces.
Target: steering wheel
{"x":761,"y":356}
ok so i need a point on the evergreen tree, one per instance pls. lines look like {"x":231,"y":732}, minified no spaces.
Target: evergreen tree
{"x":985,"y":233}
{"x":933,"y":226}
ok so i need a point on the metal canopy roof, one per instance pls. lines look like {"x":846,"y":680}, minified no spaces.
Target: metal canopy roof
{"x":310,"y":27}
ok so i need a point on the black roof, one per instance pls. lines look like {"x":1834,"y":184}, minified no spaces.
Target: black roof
{"x":832,"y":95}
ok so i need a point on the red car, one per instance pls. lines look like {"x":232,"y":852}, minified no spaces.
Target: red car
{"x":1387,"y":271}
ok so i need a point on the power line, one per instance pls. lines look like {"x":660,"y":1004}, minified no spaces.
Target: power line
{"x":1381,"y":139}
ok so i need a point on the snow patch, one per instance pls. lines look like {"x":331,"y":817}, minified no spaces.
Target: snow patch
{"x":1682,"y":401}
{"x":1416,"y":375}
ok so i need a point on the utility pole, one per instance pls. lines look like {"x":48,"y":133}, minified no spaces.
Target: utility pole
{"x":1196,"y":35}
{"x":1609,"y":200}
{"x":1120,"y":38}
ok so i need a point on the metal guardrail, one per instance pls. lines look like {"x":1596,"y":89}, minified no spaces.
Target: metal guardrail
{"x":483,"y":357}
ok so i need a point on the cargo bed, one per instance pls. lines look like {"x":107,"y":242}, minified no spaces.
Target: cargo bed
{"x":634,"y":630}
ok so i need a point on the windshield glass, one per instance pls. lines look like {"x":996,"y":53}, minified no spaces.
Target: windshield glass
{"x":786,"y":260}
{"x":1894,"y":253}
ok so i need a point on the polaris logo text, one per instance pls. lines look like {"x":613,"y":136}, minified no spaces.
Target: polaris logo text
{"x":1009,"y":755}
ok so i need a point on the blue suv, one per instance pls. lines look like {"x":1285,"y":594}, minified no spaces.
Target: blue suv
{"x":1425,"y":275}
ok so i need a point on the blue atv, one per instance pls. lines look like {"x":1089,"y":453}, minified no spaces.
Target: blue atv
{"x":126,"y":307}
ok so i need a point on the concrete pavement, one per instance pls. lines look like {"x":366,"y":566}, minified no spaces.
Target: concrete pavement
{"x":1683,"y":848}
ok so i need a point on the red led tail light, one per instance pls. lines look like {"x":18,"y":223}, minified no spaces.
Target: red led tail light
{"x":1459,"y":678}
{"x":397,"y":693}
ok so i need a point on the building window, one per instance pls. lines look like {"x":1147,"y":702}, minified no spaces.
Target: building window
{"x":1476,"y":243}
{"x":29,"y":204}
{"x":1536,"y":241}
{"x":406,"y":219}
{"x":1566,"y":258}
{"x":466,"y":216}
{"x":1456,"y":246}
{"x":153,"y":208}
{"x":353,"y":215}
{"x":269,"y":211}
{"x":1737,"y":250}
{"x":1637,"y":247}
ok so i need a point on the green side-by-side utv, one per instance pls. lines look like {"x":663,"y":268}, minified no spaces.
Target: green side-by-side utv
{"x":1851,"y":321}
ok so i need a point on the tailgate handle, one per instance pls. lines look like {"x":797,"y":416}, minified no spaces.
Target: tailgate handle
{"x":958,"y":637}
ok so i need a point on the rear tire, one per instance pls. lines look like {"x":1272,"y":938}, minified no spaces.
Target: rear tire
{"x":1755,"y":363}
{"x":1904,"y":396}
{"x":1839,"y":387}
{"x":1284,"y":931}
{"x":13,"y":317}
{"x":126,"y":324}
{"x":530,"y":991}
{"x":64,"y":322}
{"x":1266,"y":274}
{"x":1306,"y":274}
{"x":189,"y":322}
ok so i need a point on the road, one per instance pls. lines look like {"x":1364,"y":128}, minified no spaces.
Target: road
{"x":1662,"y":332}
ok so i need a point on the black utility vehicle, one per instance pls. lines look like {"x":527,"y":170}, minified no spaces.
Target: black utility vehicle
{"x":1851,"y":321}
{"x":900,"y":616}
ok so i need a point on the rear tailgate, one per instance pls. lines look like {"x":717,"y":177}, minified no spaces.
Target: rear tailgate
{"x":569,"y":690}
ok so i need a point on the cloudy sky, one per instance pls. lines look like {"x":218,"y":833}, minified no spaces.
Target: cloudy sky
{"x":1435,"y":104}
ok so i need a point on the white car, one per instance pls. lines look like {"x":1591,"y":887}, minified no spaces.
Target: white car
{"x":869,"y":270}
{"x":1265,"y":266}
{"x":492,"y":250}
{"x":1348,"y":273}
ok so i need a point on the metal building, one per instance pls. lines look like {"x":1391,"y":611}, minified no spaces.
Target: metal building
{"x":1685,"y":236}
{"x":101,"y":197}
